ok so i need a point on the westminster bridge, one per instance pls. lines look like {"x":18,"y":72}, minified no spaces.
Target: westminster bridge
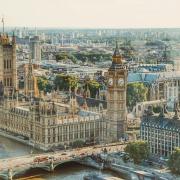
{"x":11,"y":167}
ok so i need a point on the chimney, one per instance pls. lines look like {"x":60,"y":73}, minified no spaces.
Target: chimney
{"x":161,"y":114}
{"x":150,"y":111}
{"x":176,"y":110}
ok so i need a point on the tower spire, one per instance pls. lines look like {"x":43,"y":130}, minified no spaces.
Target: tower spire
{"x":13,"y":38}
{"x":117,"y":57}
{"x":3,"y":24}
{"x":116,"y":52}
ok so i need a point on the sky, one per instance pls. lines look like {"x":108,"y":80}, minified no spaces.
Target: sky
{"x":91,"y":13}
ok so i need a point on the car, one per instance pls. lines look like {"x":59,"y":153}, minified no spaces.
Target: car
{"x":72,"y":155}
{"x":63,"y":154}
{"x":82,"y":154}
{"x":51,"y":157}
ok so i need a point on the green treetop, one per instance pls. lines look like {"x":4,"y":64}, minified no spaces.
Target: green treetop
{"x":64,"y":82}
{"x":136,"y":92}
{"x":138,"y":151}
{"x":174,"y":161}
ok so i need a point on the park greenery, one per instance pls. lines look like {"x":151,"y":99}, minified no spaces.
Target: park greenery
{"x":84,"y":56}
{"x":174,"y":161}
{"x":136,"y":92}
{"x":92,"y":56}
{"x":64,"y":56}
{"x":65,"y":82}
{"x":138,"y":151}
{"x":93,"y":86}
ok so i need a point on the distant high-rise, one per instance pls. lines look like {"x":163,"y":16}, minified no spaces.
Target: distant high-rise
{"x":8,"y":70}
{"x":35,"y":49}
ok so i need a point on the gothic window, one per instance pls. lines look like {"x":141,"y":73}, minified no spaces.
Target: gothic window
{"x":4,"y":64}
{"x":174,"y":91}
{"x":70,"y":135}
{"x":60,"y":138}
{"x":120,"y":96}
{"x":81,"y":134}
{"x":65,"y":129}
{"x":91,"y":126}
{"x":9,"y":64}
{"x":170,"y":92}
{"x":111,"y":96}
{"x":87,"y":130}
{"x":7,"y":81}
{"x":54,"y":139}
{"x":122,"y":105}
{"x":43,"y":139}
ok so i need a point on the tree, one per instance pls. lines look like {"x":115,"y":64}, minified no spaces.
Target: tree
{"x":78,"y":144}
{"x":43,"y":84}
{"x":92,"y":56}
{"x":63,"y":82}
{"x":136,"y":92}
{"x":93,"y":87}
{"x":138,"y":151}
{"x":63,"y":56}
{"x":156,"y":109}
{"x":174,"y":161}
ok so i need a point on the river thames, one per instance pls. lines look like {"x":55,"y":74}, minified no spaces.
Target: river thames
{"x":68,"y":171}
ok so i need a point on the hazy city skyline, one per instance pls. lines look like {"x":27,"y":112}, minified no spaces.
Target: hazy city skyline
{"x":91,"y":14}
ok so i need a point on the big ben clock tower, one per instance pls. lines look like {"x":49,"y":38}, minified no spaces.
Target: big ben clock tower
{"x":116,"y":98}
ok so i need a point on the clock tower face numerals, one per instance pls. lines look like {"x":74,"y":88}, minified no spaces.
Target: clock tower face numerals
{"x":110,"y":82}
{"x":120,"y":82}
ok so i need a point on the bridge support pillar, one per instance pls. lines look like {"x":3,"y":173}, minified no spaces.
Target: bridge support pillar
{"x":10,"y":174}
{"x":52,"y":165}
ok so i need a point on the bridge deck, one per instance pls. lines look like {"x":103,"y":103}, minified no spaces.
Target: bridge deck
{"x":28,"y":161}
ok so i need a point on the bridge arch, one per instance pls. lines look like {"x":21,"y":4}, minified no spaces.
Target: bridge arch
{"x":65,"y":162}
{"x":4,"y":176}
{"x":43,"y":167}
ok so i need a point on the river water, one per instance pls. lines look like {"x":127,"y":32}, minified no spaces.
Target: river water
{"x":68,"y":171}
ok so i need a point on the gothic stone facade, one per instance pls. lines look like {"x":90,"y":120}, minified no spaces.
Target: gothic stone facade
{"x":46,"y":125}
{"x":8,"y":72}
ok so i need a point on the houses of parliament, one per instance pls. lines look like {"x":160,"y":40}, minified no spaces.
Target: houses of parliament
{"x":46,"y":124}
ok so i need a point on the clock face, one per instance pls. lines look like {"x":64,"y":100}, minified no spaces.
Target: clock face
{"x":120,"y":82}
{"x":110,"y":82}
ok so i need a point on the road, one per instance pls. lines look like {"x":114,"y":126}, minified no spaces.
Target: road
{"x":58,"y":156}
